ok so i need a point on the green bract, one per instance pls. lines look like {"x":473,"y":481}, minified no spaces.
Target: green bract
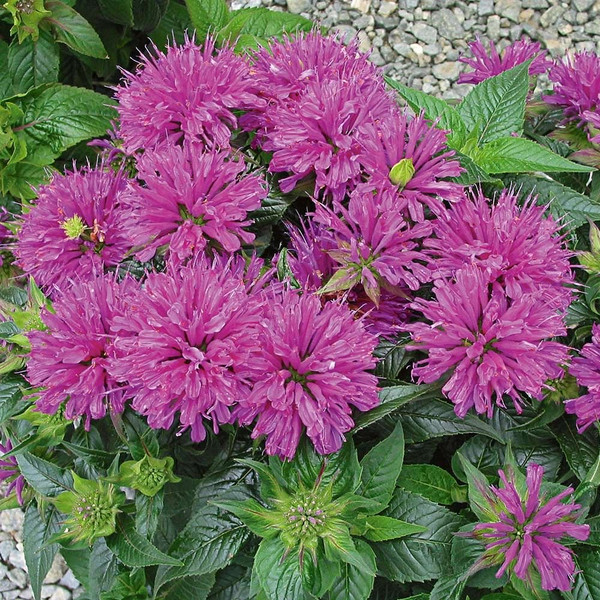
{"x":147,"y":475}
{"x":27,"y":15}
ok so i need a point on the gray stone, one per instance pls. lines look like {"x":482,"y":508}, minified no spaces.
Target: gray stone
{"x":551,"y":15}
{"x":425,"y":33}
{"x":536,"y":4}
{"x":346,"y":31}
{"x":12,"y":595}
{"x":447,"y":70}
{"x":493,"y":27}
{"x":298,"y":6}
{"x":583,"y":5}
{"x":48,"y":590}
{"x":363,"y":22}
{"x":17,"y":559}
{"x":376,"y":58}
{"x":18,"y":577}
{"x":5,"y":549}
{"x":61,"y":594}
{"x":362,"y":5}
{"x":447,"y":24}
{"x":509,"y":9}
{"x":6,"y":585}
{"x":387,"y":8}
{"x":485,"y":8}
{"x":69,"y":580}
{"x":11,"y":520}
{"x":57,"y":570}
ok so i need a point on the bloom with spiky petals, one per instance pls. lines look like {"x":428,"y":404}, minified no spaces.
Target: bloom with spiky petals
{"x":526,"y":528}
{"x":577,"y":85}
{"x":76,"y":228}
{"x":492,"y":345}
{"x":320,"y":134}
{"x":489,"y":63}
{"x":190,"y":92}
{"x":372,"y":244}
{"x":194,"y":337}
{"x":312,"y":368}
{"x":517,"y":245}
{"x":412,"y":141}
{"x":586,"y":369}
{"x":72,"y":359}
{"x":192,"y":198}
{"x":9,"y":472}
{"x":284,"y":68}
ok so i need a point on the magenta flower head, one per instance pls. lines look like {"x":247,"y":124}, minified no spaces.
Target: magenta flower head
{"x":9,"y":472}
{"x":190,"y":92}
{"x":488,"y":63}
{"x":577,"y":85}
{"x":490,"y":345}
{"x":372,"y":244}
{"x":516,"y":245}
{"x":411,"y":157}
{"x":526,"y":528}
{"x":76,"y":229}
{"x":586,"y":369}
{"x":312,"y":368}
{"x":189,"y":342}
{"x":71,"y":361}
{"x":192,"y":199}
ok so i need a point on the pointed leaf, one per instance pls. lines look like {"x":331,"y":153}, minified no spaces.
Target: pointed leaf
{"x":43,"y":476}
{"x":254,"y":515}
{"x":381,"y":528}
{"x":478,"y":486}
{"x":33,"y":63}
{"x":207,"y":15}
{"x":263,"y":23}
{"x":431,"y":481}
{"x":354,"y":583}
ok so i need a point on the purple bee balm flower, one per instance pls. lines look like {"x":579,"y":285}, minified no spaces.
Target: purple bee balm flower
{"x":190,"y":92}
{"x":191,"y":199}
{"x":372,"y":244}
{"x":76,"y":228}
{"x":399,"y":138}
{"x":489,"y":63}
{"x":577,"y":85}
{"x":526,"y":528}
{"x":9,"y":472}
{"x":492,"y":345}
{"x":193,"y":338}
{"x":312,"y":368}
{"x":516,"y":245}
{"x":593,"y":121}
{"x":586,"y":369}
{"x":321,"y":133}
{"x":72,"y":359}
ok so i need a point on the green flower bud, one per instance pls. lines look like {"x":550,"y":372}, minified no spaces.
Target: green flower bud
{"x":92,"y":509}
{"x":51,"y":428}
{"x":402,"y":172}
{"x":148,"y":475}
{"x":74,"y":227}
{"x":27,"y":15}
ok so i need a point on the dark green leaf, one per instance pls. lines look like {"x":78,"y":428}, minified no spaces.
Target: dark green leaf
{"x":134,"y":550}
{"x":587,"y":580}
{"x":263,"y":23}
{"x":207,"y":15}
{"x":448,"y":587}
{"x":431,"y":482}
{"x":6,"y":82}
{"x":495,"y":108}
{"x":473,"y":174}
{"x":421,"y":556}
{"x":271,"y":211}
{"x":102,"y":569}
{"x":117,"y":11}
{"x":72,"y":29}
{"x":382,"y":466}
{"x":38,"y":553}
{"x":148,"y":13}
{"x":232,"y":583}
{"x":430,"y":418}
{"x":43,"y":476}
{"x":33,"y":63}
{"x":175,"y":22}
{"x":147,"y":512}
{"x":381,"y":528}
{"x":580,"y":450}
{"x":478,"y":485}
{"x":196,"y":587}
{"x":354,"y":583}
{"x":518,"y":155}
{"x":78,"y":560}
{"x":11,"y":397}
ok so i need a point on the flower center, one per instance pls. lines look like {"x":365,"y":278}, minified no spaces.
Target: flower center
{"x":306,"y":517}
{"x":186,"y":215}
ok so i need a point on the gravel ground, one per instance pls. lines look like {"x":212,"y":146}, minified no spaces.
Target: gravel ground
{"x":419,"y":43}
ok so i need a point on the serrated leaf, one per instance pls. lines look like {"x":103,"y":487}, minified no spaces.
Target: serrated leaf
{"x":478,"y":485}
{"x":134,"y":550}
{"x":381,"y":528}
{"x":11,"y":397}
{"x":102,"y":569}
{"x":580,"y":450}
{"x":382,"y":466}
{"x":434,"y":109}
{"x":232,"y":583}
{"x":448,"y":587}
{"x":38,"y":553}
{"x":43,"y":476}
{"x":148,"y":13}
{"x":117,"y":11}
{"x":6,"y":82}
{"x":147,"y":513}
{"x":496,"y":106}
{"x":263,"y":23}
{"x":78,"y":560}
{"x":354,"y":583}
{"x":431,"y":418}
{"x":518,"y":155}
{"x":197,"y":587}
{"x":430,"y":481}
{"x":271,"y":211}
{"x":422,"y":556}
{"x":473,"y":174}
{"x":33,"y":63}
{"x":207,"y":15}
{"x":173,"y":25}
{"x":73,"y":30}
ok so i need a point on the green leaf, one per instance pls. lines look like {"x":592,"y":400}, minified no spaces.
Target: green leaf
{"x":448,"y":587}
{"x":102,"y":569}
{"x":496,"y":106}
{"x":197,"y":587}
{"x":434,"y":109}
{"x":11,"y":397}
{"x":431,"y":418}
{"x":381,"y":528}
{"x":473,"y":174}
{"x":174,"y":23}
{"x":147,"y":513}
{"x":6,"y":82}
{"x":60,"y":116}
{"x":272,"y":209}
{"x":478,"y":484}
{"x":430,"y":481}
{"x":421,"y":556}
{"x":33,"y":63}
{"x":117,"y":11}
{"x":134,"y":550}
{"x":71,"y":29}
{"x":580,"y":450}
{"x":381,"y":467}
{"x":78,"y":560}
{"x":586,"y":584}
{"x":254,"y":515}
{"x":339,"y":545}
{"x":43,"y":476}
{"x":38,"y":553}
{"x":232,"y":583}
{"x":148,"y":13}
{"x":207,"y":15}
{"x":263,"y":23}
{"x":354,"y":583}
{"x":518,"y":155}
